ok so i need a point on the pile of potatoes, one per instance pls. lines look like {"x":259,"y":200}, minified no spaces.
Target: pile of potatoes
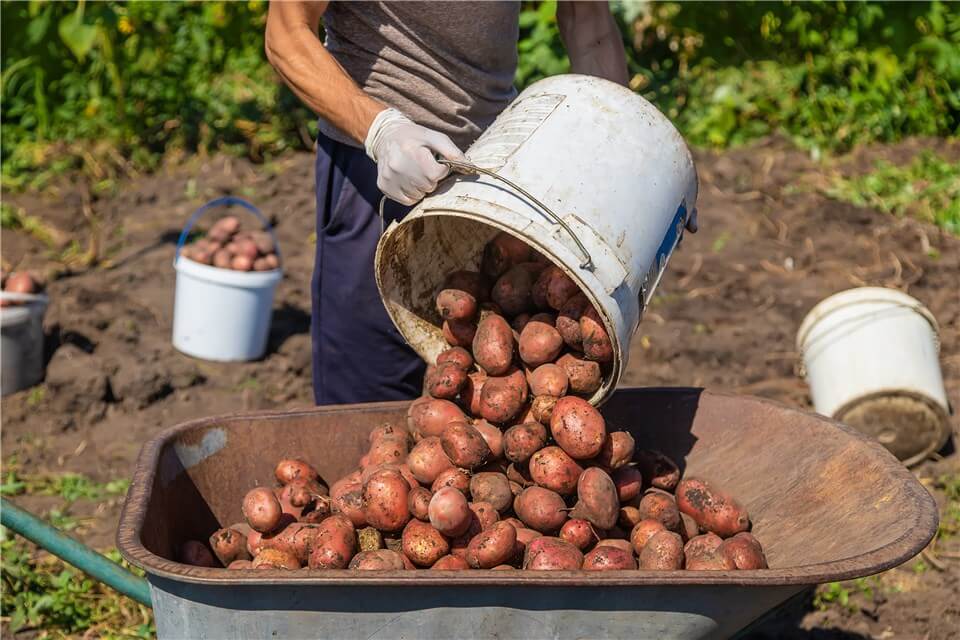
{"x":226,"y":246}
{"x":19,"y":282}
{"x":502,"y":464}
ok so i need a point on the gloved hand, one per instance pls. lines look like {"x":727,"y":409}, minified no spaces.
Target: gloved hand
{"x":404,"y":153}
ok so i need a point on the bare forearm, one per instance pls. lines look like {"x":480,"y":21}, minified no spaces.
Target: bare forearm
{"x":314,"y":75}
{"x":592,"y":39}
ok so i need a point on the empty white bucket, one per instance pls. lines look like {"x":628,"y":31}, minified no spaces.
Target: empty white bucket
{"x":222,"y":314}
{"x":21,"y":341}
{"x":870,"y":356}
{"x":609,"y":165}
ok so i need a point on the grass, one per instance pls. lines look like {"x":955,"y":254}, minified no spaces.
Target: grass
{"x":844,"y":594}
{"x":928,"y":188}
{"x":42,"y":594}
{"x":950,"y":517}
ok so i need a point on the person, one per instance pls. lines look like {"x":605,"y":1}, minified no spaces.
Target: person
{"x":396,"y":84}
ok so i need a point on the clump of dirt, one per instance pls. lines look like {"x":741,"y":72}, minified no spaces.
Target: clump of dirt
{"x":725,"y":316}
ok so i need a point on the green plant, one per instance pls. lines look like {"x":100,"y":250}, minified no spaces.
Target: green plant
{"x":842,"y":593}
{"x":927,"y":188}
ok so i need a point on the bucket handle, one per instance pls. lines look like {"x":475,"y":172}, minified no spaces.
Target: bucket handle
{"x":466,"y":168}
{"x":226,"y":201}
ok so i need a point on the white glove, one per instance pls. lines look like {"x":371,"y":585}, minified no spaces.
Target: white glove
{"x":404,"y":153}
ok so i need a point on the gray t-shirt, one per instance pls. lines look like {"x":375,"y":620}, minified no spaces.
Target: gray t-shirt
{"x":448,"y":66}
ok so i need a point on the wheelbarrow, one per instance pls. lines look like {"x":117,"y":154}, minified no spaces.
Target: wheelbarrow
{"x":828,"y":504}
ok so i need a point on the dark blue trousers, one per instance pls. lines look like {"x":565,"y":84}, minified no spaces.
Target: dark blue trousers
{"x":358,"y":355}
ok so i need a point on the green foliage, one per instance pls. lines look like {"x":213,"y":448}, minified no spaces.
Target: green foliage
{"x":928,"y":188}
{"x":840,"y":594}
{"x":950,"y":518}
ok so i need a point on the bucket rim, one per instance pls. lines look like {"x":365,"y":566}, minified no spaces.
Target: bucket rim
{"x":34,"y":304}
{"x":228,"y":277}
{"x":857,"y":296}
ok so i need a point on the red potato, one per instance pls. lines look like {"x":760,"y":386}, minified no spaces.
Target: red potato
{"x":458,"y":356}
{"x":584,"y":375}
{"x":335,"y":544}
{"x":423,"y":544}
{"x":568,"y":320}
{"x":549,"y":380}
{"x":617,"y":450}
{"x":459,"y":333}
{"x":658,"y":470}
{"x":502,"y":398}
{"x":578,"y":532}
{"x":290,"y":469}
{"x":247,"y":249}
{"x":472,"y":392}
{"x":299,"y":495}
{"x":539,"y":343}
{"x":519,"y":322}
{"x":578,"y":428}
{"x":388,"y":430}
{"x":402,"y":469}
{"x":643,"y":531}
{"x":385,"y":500}
{"x":418,"y":502}
{"x":552,"y":554}
{"x":464,"y":446}
{"x":596,"y":341}
{"x":607,"y":558}
{"x":228,"y":545}
{"x":519,"y":474}
{"x":525,"y":536}
{"x":449,"y":512}
{"x":429,"y":417}
{"x":493,"y":345}
{"x":629,"y":483}
{"x":485,"y":514}
{"x":450,"y":563}
{"x":714,"y":510}
{"x":661,"y":506}
{"x":240,"y":564}
{"x":194,"y":552}
{"x":446,"y":380}
{"x":492,"y":546}
{"x":515,"y":522}
{"x":262,"y":264}
{"x":427,"y":459}
{"x":662,"y":552}
{"x":492,"y":488}
{"x":456,"y":304}
{"x":596,"y":499}
{"x":222,"y":259}
{"x":21,"y":282}
{"x":275,"y":559}
{"x":560,"y":288}
{"x":317,"y":512}
{"x":503,"y":567}
{"x":628,"y":517}
{"x":744,"y":551}
{"x":224,"y":228}
{"x":503,"y":252}
{"x":261,"y":509}
{"x":350,"y":505}
{"x":241,"y":263}
{"x":703,"y":544}
{"x":377,"y":560}
{"x":454,"y":477}
{"x":616,"y":543}
{"x":296,"y":538}
{"x":541,"y":409}
{"x":349,"y":482}
{"x":512,"y":291}
{"x":688,"y":527}
{"x":263,"y":241}
{"x":552,"y":468}
{"x":540,"y":509}
{"x":492,"y":436}
{"x":387,"y":451}
{"x":471,"y":282}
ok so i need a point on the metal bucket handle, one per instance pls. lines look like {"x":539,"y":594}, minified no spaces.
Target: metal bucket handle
{"x":466,"y":168}
{"x":227,"y":201}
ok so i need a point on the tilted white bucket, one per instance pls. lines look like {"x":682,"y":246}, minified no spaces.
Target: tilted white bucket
{"x":221,"y":314}
{"x":606,"y":161}
{"x":871,"y":359}
{"x":21,"y":341}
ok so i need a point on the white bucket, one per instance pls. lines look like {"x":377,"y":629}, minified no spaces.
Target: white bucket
{"x":21,"y":341}
{"x":870,"y":356}
{"x":606,"y":161}
{"x":221,"y":314}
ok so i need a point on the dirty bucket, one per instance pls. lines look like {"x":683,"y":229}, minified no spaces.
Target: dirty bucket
{"x":221,"y":314}
{"x":584,"y":170}
{"x":870,"y":356}
{"x":21,"y":341}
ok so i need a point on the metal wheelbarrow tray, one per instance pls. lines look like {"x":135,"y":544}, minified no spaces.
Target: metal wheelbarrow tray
{"x":827,"y":504}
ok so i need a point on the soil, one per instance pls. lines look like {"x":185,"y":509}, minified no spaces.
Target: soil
{"x":770,"y":246}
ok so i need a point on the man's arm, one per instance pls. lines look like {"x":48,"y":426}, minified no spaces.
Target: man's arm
{"x":295,"y":51}
{"x":592,"y":39}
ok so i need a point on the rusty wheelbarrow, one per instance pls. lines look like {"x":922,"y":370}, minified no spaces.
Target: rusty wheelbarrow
{"x":827,"y":503}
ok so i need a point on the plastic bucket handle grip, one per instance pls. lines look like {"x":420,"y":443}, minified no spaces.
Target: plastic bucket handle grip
{"x":225,"y":201}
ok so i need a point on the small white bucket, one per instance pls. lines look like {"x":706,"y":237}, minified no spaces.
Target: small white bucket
{"x":21,"y":341}
{"x":618,"y":184}
{"x":870,"y":356}
{"x":221,"y":314}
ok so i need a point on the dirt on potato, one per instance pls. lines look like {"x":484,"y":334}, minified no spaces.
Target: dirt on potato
{"x":725,"y":316}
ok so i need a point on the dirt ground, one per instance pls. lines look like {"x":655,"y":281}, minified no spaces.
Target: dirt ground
{"x":725,"y":317}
